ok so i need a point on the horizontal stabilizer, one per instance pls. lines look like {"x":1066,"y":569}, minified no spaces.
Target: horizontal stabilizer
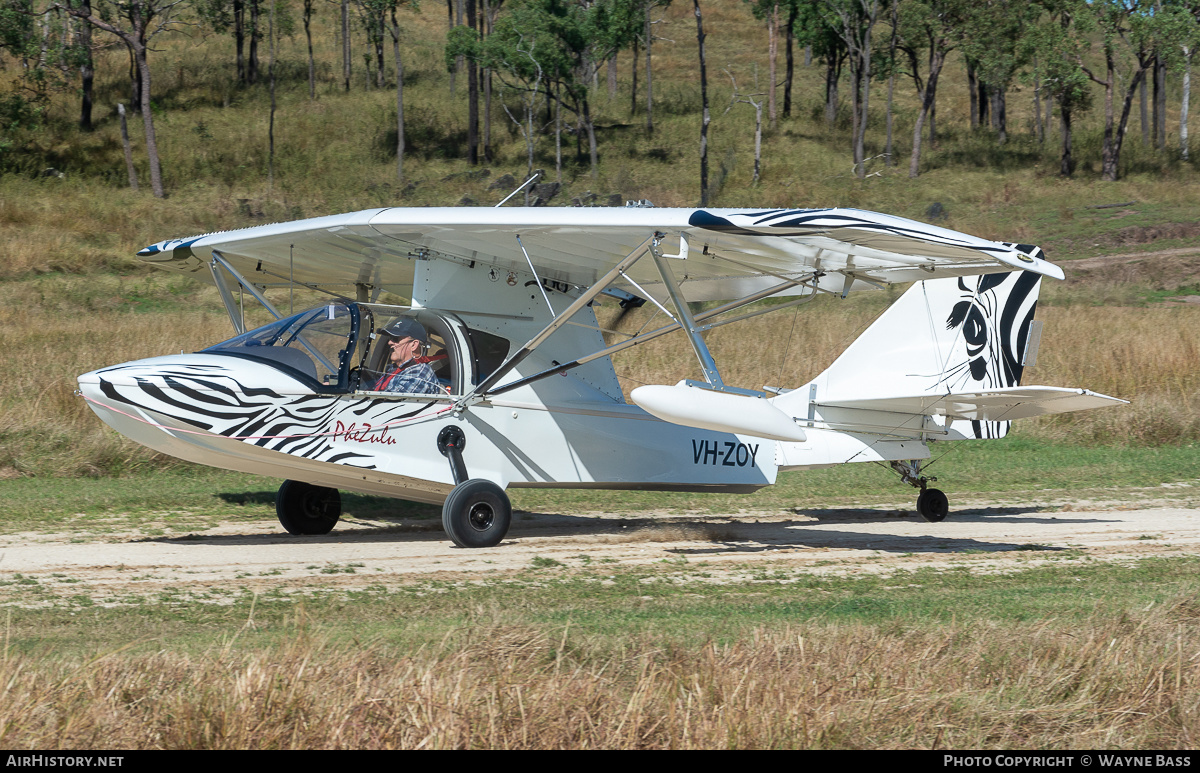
{"x":987,"y":404}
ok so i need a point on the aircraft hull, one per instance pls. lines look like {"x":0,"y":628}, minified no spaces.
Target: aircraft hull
{"x":236,"y":414}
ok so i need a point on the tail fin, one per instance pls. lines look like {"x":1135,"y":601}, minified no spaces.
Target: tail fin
{"x":943,"y":336}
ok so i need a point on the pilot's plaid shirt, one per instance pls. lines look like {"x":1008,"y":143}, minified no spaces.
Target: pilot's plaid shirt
{"x":414,"y":380}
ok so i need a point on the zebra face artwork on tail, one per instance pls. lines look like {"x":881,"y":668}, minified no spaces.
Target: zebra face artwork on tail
{"x":992,"y":319}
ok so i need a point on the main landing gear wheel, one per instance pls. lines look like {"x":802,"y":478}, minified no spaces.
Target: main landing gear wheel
{"x":476,"y":514}
{"x":307,"y":509}
{"x":933,"y":505}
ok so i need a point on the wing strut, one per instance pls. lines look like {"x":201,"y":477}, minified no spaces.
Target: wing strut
{"x":241,"y":280}
{"x":707,"y":363}
{"x":673,"y":326}
{"x":240,"y":326}
{"x":588,"y":296}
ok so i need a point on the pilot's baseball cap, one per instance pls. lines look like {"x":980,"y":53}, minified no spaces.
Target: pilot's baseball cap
{"x":407,"y":328}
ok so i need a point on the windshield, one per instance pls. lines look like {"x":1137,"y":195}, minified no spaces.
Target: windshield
{"x":317,"y":344}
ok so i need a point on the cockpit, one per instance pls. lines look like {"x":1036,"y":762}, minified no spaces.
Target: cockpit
{"x":347,"y":347}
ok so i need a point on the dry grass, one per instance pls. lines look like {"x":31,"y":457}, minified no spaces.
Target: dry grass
{"x":53,"y":329}
{"x":1147,"y":355}
{"x":1129,"y":682}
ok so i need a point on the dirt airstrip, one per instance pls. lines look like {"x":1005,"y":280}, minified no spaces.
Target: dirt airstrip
{"x":259,"y":557}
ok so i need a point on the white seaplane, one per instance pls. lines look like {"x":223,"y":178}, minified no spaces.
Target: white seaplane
{"x":525,"y":394}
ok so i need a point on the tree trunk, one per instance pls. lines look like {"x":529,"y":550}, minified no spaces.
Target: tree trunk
{"x":255,"y":35}
{"x":346,"y":44}
{"x":972,"y":93}
{"x":593,"y":155}
{"x":133,"y":183}
{"x":1160,"y":101}
{"x":558,"y":134}
{"x":239,"y":38}
{"x":928,"y":100}
{"x":1145,"y":115}
{"x":486,"y":22}
{"x":87,"y":69}
{"x":832,"y":75}
{"x":757,"y":140}
{"x":634,"y":68}
{"x":1000,"y":114}
{"x":380,"y":63}
{"x":135,"y":79}
{"x":649,"y":75}
{"x":458,"y":61}
{"x":1066,"y":166}
{"x":704,"y":102}
{"x":889,"y":157}
{"x":395,"y":30}
{"x":1115,"y":136}
{"x":772,"y":56}
{"x":156,"y":180}
{"x":312,"y":66}
{"x":790,"y":45}
{"x":1183,"y":107}
{"x":1038,"y":128}
{"x":864,"y":101}
{"x":472,"y":96}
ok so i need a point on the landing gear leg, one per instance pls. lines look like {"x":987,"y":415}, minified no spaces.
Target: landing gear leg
{"x":477,"y":513}
{"x":931,"y":502}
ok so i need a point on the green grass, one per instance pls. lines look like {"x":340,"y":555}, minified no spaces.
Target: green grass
{"x":1015,"y":470}
{"x":601,"y":604}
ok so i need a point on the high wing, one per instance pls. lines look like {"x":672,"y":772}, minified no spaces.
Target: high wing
{"x":720,"y":253}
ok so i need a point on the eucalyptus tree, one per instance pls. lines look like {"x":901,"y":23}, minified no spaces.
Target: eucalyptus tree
{"x":769,"y":11}
{"x":1062,"y":32}
{"x":932,"y":28}
{"x":136,"y":23}
{"x":53,"y":48}
{"x":853,"y":21}
{"x":241,"y":19}
{"x":1178,"y":36}
{"x":384,"y":12}
{"x":630,"y":24}
{"x":995,"y":45}
{"x":1190,"y":41}
{"x":1127,"y":34}
{"x":523,"y":52}
{"x":566,"y":38}
{"x":815,"y":32}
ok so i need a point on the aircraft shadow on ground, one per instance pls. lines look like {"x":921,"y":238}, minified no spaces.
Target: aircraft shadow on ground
{"x":749,"y":534}
{"x":1031,"y":513}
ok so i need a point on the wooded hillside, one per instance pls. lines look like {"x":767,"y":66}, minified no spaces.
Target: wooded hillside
{"x":286,"y":108}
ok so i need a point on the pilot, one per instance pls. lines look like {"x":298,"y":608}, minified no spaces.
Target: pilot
{"x":410,"y":372}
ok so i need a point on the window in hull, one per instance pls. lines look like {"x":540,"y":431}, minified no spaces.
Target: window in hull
{"x":316,"y":345}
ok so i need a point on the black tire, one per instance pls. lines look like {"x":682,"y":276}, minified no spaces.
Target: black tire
{"x":307,"y":509}
{"x":933,"y":505}
{"x":477,"y":514}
